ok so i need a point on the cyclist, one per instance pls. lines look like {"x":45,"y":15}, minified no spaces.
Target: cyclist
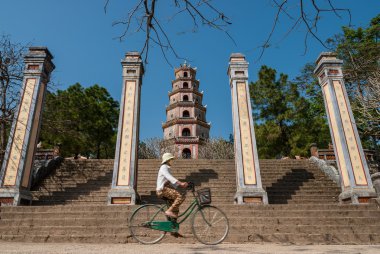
{"x":165,"y":181}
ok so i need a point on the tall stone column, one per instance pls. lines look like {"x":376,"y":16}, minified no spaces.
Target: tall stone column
{"x":249,"y":187}
{"x":124,"y":178}
{"x":354,"y":172}
{"x":16,"y":171}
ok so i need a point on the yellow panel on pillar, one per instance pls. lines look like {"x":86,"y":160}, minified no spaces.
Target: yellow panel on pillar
{"x":249,"y":187}
{"x":16,"y":171}
{"x":355,"y":179}
{"x":123,"y":191}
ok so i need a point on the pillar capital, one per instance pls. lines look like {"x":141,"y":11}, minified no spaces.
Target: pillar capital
{"x":328,"y":66}
{"x":38,"y":61}
{"x":132,"y":65}
{"x":237,"y":68}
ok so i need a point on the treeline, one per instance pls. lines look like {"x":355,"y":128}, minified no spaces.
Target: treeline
{"x":290,"y":115}
{"x":82,"y":120}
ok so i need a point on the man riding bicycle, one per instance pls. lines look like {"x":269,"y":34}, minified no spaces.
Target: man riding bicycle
{"x":164,"y":189}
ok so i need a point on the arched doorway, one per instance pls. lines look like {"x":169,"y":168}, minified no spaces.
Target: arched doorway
{"x":186,"y":153}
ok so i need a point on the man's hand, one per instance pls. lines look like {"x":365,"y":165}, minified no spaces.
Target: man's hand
{"x":183,"y":184}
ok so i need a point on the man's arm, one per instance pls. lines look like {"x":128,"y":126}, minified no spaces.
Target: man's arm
{"x":172,"y":179}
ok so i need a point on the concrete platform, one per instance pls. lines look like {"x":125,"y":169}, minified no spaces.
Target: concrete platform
{"x":70,"y":248}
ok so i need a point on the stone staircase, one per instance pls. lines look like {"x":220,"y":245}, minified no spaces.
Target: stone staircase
{"x":70,"y":205}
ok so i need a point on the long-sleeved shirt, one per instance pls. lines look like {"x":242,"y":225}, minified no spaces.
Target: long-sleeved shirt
{"x":164,"y":175}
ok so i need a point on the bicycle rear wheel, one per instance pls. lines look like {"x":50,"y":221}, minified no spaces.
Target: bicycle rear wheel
{"x":210,"y":225}
{"x":139,"y":224}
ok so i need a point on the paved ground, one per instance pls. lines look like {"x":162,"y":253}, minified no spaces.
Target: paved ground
{"x":71,"y":248}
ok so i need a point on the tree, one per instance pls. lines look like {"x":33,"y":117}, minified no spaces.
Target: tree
{"x":216,"y":149}
{"x":272,"y":112}
{"x":311,"y":124}
{"x":11,"y":74}
{"x":288,"y":117}
{"x":102,"y":116}
{"x":82,"y":120}
{"x":151,"y":148}
{"x":360,"y":50}
{"x":142,"y":17}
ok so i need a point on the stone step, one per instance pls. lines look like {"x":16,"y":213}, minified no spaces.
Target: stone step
{"x":288,"y":238}
{"x":100,"y":208}
{"x":186,"y":230}
{"x":214,"y":192}
{"x":231,"y":213}
{"x":152,"y":182}
{"x":243,"y":222}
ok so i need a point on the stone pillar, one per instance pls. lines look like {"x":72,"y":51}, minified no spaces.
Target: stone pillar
{"x":354,"y":172}
{"x":16,"y":171}
{"x":124,"y":178}
{"x":249,"y":187}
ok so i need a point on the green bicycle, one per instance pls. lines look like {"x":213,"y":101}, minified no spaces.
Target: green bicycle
{"x":148,"y":223}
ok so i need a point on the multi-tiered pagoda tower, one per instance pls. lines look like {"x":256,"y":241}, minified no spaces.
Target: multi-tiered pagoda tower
{"x":185,"y":128}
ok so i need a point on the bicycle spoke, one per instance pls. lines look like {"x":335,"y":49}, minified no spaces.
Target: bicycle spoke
{"x":139,"y":224}
{"x":210,"y":225}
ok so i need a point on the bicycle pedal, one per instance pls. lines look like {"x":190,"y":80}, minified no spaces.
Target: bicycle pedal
{"x":171,"y":219}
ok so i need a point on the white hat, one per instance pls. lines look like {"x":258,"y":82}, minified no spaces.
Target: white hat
{"x":166,"y":157}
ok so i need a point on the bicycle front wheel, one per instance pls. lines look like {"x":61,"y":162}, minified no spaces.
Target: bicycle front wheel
{"x":139,"y":224}
{"x":210,"y":225}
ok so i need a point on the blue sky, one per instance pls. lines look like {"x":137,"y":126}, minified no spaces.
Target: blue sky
{"x":82,"y":39}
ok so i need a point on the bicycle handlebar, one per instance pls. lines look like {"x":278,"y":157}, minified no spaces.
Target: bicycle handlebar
{"x":190,"y":186}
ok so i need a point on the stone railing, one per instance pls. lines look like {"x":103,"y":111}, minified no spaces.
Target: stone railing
{"x":329,"y":155}
{"x":45,"y":162}
{"x":46,"y":154}
{"x":326,"y":168}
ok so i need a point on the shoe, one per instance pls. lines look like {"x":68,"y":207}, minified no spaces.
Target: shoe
{"x":176,"y":234}
{"x":171,"y":214}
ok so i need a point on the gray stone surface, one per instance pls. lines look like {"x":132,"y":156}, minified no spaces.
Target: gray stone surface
{"x":329,"y":170}
{"x":69,"y":248}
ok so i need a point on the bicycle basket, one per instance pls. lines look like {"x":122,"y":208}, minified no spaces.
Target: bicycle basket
{"x":204,"y":196}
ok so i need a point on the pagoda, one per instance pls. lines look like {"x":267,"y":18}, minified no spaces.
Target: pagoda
{"x":185,"y":128}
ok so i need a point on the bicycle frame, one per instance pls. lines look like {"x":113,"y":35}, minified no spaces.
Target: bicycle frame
{"x":172,"y":225}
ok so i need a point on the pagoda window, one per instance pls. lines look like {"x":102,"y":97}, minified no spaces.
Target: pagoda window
{"x":185,"y":85}
{"x":185,"y":114}
{"x":186,"y":132}
{"x":185,"y":98}
{"x":186,"y":153}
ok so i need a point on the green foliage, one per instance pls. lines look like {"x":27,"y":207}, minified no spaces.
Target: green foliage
{"x":82,"y":120}
{"x":289,"y":116}
{"x":359,"y":48}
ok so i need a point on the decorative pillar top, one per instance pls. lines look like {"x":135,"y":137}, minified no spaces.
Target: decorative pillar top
{"x":328,"y":66}
{"x":132,"y":65}
{"x":237,"y":67}
{"x":39,"y":61}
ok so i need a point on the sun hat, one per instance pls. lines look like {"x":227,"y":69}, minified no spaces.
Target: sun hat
{"x":166,"y":157}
